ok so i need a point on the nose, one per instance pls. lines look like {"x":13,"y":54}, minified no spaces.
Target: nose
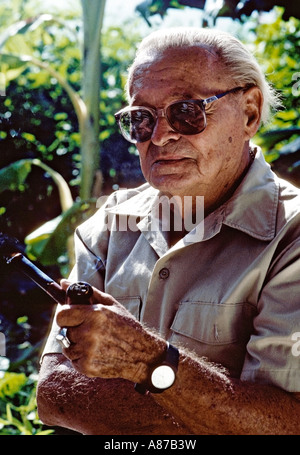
{"x":163,"y":132}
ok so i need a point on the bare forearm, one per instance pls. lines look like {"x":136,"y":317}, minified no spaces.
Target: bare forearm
{"x":226,"y":406}
{"x":203,"y":399}
{"x":98,"y":406}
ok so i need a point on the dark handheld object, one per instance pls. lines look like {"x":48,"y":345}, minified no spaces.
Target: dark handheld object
{"x":80,"y":293}
{"x":10,"y":252}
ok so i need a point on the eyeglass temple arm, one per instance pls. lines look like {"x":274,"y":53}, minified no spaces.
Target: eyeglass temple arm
{"x":217,"y":97}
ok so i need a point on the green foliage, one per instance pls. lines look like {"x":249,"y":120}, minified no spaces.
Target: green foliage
{"x":278,"y":51}
{"x":18,"y":410}
{"x":46,"y":127}
{"x":13,"y":177}
{"x":118,"y":50}
{"x":11,"y":383}
{"x":48,"y":244}
{"x":235,"y":9}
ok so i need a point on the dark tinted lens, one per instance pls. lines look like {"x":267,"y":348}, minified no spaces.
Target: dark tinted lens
{"x":137,"y":125}
{"x":187,"y":117}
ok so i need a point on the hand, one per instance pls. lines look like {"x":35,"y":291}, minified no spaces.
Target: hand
{"x":107,"y":341}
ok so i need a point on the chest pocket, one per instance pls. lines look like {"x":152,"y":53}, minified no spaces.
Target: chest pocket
{"x":219,"y":332}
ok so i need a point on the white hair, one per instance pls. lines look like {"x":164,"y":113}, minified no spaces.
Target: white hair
{"x":239,"y":63}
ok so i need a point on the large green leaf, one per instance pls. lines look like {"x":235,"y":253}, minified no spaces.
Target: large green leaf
{"x":13,"y":61}
{"x":14,"y":175}
{"x":49,"y":242}
{"x":37,"y":240}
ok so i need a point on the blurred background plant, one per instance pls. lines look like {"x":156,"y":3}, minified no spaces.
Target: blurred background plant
{"x":62,"y":78}
{"x":18,"y":413}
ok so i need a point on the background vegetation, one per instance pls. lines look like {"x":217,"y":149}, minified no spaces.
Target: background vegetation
{"x":43,"y":104}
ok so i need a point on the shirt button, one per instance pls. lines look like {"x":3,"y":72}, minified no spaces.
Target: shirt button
{"x":164,"y":273}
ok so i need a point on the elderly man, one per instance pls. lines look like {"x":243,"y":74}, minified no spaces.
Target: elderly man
{"x":194,"y":325}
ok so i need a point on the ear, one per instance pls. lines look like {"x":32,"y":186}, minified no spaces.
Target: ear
{"x":253,"y":100}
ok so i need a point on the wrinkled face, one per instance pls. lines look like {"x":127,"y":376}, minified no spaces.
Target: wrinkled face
{"x":206,"y":164}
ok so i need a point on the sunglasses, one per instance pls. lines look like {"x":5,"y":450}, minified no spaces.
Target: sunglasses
{"x":186,"y":117}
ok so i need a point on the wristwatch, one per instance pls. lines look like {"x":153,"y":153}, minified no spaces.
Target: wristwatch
{"x":162,"y":375}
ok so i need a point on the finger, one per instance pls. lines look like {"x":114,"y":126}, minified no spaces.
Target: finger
{"x":103,"y":298}
{"x":73,"y":352}
{"x":65,"y":284}
{"x":97,"y":297}
{"x":72,"y":315}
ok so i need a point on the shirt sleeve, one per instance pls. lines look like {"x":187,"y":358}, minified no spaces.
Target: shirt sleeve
{"x":273,"y":351}
{"x":89,"y":267}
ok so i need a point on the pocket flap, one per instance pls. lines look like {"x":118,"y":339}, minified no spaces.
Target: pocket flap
{"x":213,"y":323}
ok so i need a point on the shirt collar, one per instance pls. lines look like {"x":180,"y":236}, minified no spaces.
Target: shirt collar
{"x":139,"y":205}
{"x":252,"y":208}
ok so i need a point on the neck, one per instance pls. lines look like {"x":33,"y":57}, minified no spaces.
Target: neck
{"x":185,"y":213}
{"x":188,"y":211}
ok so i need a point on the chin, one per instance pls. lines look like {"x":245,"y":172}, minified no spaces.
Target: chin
{"x":171,"y":188}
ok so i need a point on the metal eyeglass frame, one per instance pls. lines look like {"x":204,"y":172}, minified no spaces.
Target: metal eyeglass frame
{"x":156,"y":113}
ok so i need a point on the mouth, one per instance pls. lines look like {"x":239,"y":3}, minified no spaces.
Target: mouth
{"x":170,"y":160}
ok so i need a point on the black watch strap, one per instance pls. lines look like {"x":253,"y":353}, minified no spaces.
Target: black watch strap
{"x":170,"y":358}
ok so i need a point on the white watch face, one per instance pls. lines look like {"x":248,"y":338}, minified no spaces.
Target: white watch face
{"x":163,"y":377}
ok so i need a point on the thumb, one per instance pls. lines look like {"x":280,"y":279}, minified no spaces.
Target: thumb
{"x":65,"y":284}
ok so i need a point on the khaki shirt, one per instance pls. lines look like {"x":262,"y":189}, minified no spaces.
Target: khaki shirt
{"x":229,"y":290}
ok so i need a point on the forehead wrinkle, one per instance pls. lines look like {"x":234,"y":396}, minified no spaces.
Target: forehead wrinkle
{"x":151,"y":61}
{"x":180,"y":61}
{"x":195,"y":89}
